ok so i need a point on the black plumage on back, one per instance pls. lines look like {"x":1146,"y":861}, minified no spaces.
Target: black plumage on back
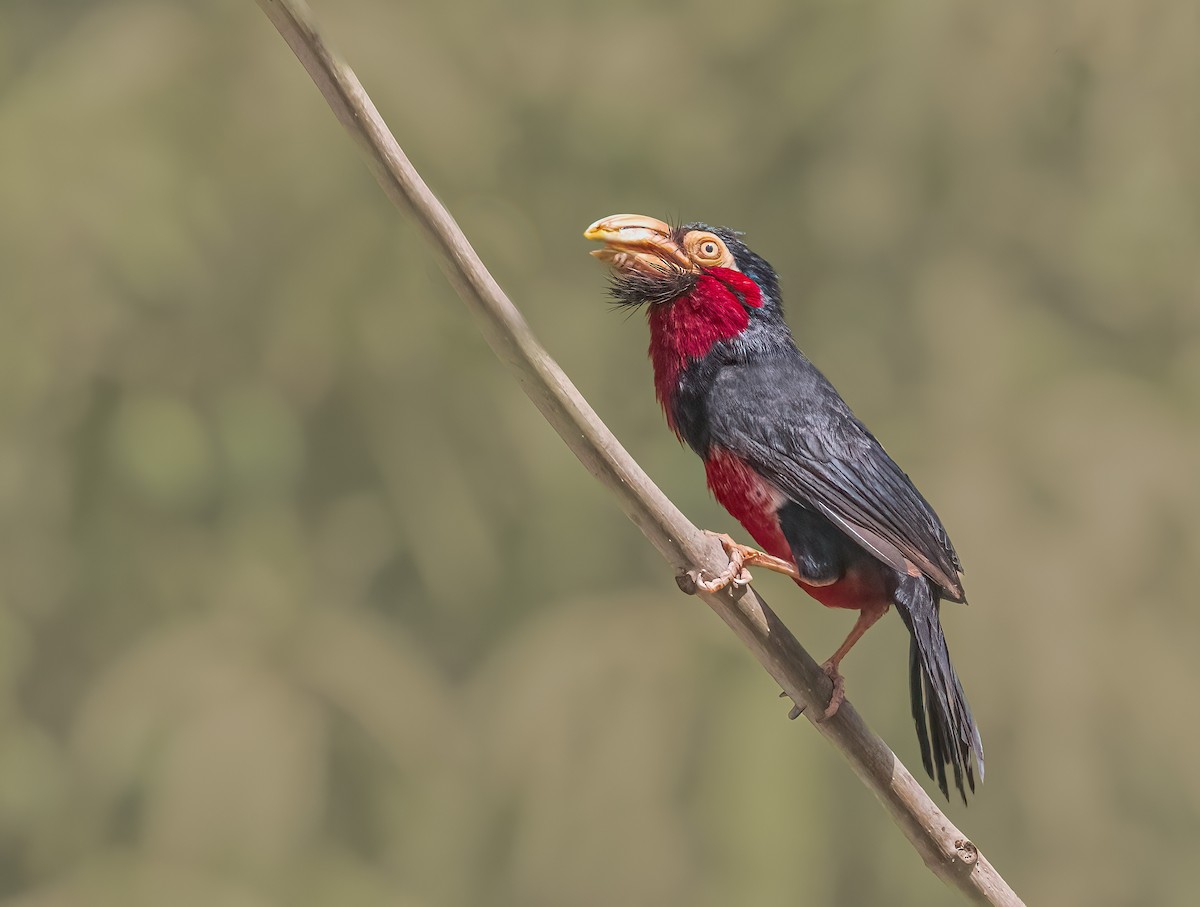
{"x":777,"y":412}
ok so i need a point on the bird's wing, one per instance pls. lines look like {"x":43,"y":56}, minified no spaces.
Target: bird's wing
{"x":787,"y":421}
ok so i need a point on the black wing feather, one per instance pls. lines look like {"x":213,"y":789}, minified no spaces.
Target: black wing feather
{"x":783,"y":417}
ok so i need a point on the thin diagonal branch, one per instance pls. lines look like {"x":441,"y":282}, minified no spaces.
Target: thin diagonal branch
{"x":945,"y":849}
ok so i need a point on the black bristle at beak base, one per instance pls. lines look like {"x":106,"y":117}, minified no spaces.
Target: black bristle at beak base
{"x":633,"y":289}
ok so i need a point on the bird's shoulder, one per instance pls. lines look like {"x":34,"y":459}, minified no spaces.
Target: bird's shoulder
{"x":786,"y":399}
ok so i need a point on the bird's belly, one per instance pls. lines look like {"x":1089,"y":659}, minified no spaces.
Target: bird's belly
{"x":862,"y":585}
{"x":749,"y":498}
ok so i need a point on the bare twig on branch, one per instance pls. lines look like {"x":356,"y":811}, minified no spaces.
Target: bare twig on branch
{"x":945,"y":849}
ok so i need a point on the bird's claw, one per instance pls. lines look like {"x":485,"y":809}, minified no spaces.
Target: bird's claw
{"x":735,"y":576}
{"x":693,"y":581}
{"x":835,"y":700}
{"x":839,"y":689}
{"x":736,"y":573}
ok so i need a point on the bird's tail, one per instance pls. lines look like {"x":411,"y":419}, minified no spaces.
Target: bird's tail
{"x":945,"y":728}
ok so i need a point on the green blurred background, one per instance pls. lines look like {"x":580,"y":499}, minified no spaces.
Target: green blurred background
{"x":302,"y":603}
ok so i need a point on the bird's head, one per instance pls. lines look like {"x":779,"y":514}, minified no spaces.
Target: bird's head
{"x":655,"y":264}
{"x":704,"y":290}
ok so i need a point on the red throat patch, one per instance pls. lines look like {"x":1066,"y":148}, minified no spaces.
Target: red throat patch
{"x":687,"y":328}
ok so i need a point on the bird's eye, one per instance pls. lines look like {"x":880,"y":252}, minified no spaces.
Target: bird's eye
{"x":707,"y":249}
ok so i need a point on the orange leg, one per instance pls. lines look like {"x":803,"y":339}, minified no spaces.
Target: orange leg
{"x":866,"y":619}
{"x":739,"y":557}
{"x":736,"y":573}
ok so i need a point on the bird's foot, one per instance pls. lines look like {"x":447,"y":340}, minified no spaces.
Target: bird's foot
{"x":839,"y":688}
{"x":835,"y":700}
{"x":736,"y":572}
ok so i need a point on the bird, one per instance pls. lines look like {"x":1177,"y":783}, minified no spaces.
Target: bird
{"x":789,"y":460}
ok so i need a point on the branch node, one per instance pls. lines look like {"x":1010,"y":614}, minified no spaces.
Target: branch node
{"x":688,"y":582}
{"x":967,"y":852}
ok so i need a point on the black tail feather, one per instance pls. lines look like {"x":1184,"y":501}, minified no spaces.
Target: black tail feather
{"x":945,"y":729}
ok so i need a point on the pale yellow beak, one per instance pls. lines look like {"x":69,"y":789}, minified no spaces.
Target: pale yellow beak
{"x":636,"y":242}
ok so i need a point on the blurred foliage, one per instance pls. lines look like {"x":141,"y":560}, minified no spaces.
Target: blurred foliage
{"x":302,"y":603}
